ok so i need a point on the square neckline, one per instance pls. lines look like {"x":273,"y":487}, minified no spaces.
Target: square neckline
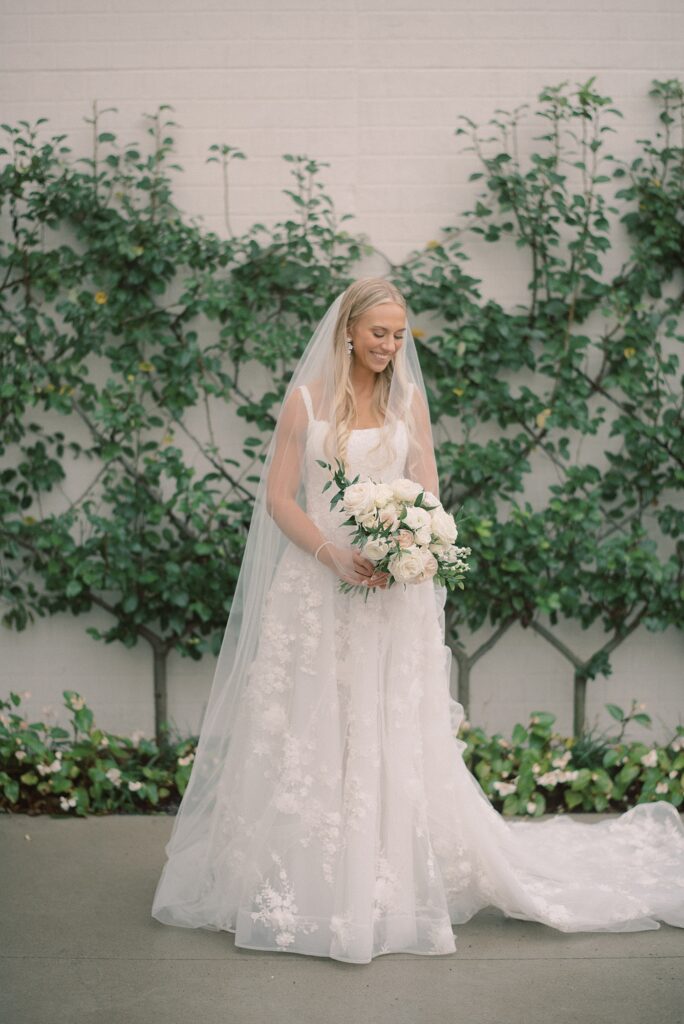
{"x":312,"y":419}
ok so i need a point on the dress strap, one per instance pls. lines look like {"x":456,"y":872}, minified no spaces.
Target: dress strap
{"x":307,"y":400}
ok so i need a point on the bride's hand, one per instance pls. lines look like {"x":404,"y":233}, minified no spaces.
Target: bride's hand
{"x":351,"y":566}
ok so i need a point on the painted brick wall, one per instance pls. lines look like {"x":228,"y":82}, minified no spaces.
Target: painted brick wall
{"x":375,"y":89}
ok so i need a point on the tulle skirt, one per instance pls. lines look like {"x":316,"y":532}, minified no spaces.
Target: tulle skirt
{"x":346,"y":823}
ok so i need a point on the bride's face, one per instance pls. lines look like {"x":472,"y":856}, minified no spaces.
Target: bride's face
{"x":378,"y":334}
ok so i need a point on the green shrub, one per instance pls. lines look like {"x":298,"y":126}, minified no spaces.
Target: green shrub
{"x":84,"y":770}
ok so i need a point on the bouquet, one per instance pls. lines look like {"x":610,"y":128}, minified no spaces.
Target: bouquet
{"x":404,"y":530}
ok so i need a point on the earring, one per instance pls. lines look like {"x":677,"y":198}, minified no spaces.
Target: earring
{"x":350,"y":347}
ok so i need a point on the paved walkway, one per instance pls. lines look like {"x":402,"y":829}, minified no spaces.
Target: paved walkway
{"x":78,"y":946}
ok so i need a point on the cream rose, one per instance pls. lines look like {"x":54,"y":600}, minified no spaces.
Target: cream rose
{"x":375,"y":548}
{"x":383,"y":495}
{"x":406,"y":566}
{"x":415,"y":518}
{"x":443,"y":526}
{"x":359,"y":499}
{"x":389,"y":516}
{"x":429,"y":564}
{"x":405,"y":538}
{"x":369,"y":520}
{"x":405,"y":490}
{"x":423,"y":535}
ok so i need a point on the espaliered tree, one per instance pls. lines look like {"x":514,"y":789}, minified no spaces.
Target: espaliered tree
{"x":581,"y":376}
{"x":126,"y":330}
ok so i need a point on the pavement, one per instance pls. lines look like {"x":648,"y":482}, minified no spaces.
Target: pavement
{"x":78,"y":946}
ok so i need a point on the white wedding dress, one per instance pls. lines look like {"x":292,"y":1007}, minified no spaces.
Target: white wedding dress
{"x":346,"y":823}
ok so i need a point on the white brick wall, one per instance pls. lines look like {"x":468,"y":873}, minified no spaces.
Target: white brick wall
{"x":375,"y":89}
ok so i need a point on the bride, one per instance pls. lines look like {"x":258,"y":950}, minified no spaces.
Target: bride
{"x":329,"y":810}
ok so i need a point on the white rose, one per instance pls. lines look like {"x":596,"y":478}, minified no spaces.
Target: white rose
{"x":443,"y":526}
{"x":423,"y":535}
{"x":405,"y":490}
{"x":383,"y":494}
{"x":389,"y":516}
{"x":406,"y":566}
{"x":416,"y":517}
{"x":369,"y":520}
{"x":429,"y":564}
{"x":359,"y":499}
{"x":375,"y":548}
{"x":431,"y":502}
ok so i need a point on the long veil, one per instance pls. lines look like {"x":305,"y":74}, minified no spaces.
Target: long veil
{"x":319,"y":370}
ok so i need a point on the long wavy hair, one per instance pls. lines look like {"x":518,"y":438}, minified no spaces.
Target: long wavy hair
{"x":359,"y":297}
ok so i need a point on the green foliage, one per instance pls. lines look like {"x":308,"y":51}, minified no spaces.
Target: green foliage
{"x":587,"y":354}
{"x":539,"y":771}
{"x":125,"y":335}
{"x":127,"y":331}
{"x":84,"y":770}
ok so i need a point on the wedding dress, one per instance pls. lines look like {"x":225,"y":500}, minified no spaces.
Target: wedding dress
{"x":346,"y":823}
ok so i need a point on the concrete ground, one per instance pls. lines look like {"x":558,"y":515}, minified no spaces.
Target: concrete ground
{"x":78,"y":946}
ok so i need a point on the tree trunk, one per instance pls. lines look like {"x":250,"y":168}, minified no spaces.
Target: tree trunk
{"x":579,"y":703}
{"x":160,"y":691}
{"x":463,"y":662}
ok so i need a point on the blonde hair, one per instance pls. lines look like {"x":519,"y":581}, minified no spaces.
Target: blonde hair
{"x":359,"y":297}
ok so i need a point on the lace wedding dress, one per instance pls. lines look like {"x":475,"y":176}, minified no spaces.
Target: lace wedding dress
{"x":346,"y":823}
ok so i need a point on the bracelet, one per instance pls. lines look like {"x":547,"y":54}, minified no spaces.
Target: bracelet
{"x":321,"y":546}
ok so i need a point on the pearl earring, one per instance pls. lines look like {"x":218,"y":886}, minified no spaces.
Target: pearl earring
{"x":350,"y":347}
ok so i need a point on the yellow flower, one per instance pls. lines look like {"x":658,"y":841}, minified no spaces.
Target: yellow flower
{"x":418,"y":333}
{"x":459,"y":391}
{"x":146,"y":367}
{"x":432,"y":244}
{"x":542,"y":417}
{"x":629,"y":352}
{"x":100,"y":298}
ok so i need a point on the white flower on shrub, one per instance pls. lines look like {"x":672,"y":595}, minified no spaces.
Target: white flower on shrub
{"x":188,"y":759}
{"x":678,"y":743}
{"x":66,"y":802}
{"x":20,"y":754}
{"x":531,"y":807}
{"x":662,"y":787}
{"x":114,"y":776}
{"x":561,"y":762}
{"x":650,"y":760}
{"x":134,"y":786}
{"x":137,"y":736}
{"x":504,"y":788}
{"x":536,"y":768}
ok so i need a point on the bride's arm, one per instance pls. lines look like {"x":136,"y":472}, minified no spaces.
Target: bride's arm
{"x":282,"y":484}
{"x":420,"y":461}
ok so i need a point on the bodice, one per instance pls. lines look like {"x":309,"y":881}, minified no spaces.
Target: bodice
{"x":364,"y":459}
